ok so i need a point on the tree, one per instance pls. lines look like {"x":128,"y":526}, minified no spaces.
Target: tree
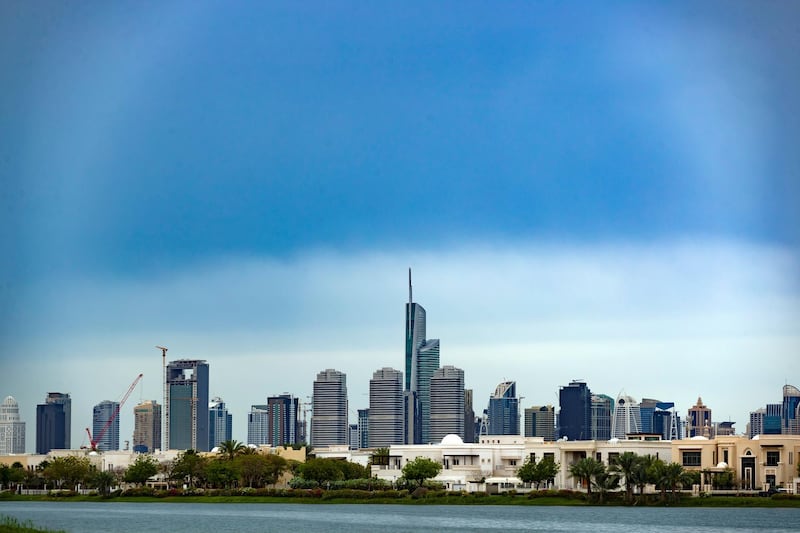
{"x":643,"y":472}
{"x":321,"y":470}
{"x":259,"y":469}
{"x":538,"y":472}
{"x":142,"y":469}
{"x":103,"y":480}
{"x":231,"y":448}
{"x":221,"y":473}
{"x":421,"y":469}
{"x":625,"y":464}
{"x":189,"y":467}
{"x":69,"y":471}
{"x":669,"y":476}
{"x":585,"y":470}
{"x":605,"y":481}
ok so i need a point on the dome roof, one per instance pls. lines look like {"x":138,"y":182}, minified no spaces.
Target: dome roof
{"x":10,"y":402}
{"x":452,"y":440}
{"x":723,"y":464}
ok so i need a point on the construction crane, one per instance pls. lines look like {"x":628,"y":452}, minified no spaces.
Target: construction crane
{"x":98,"y":437}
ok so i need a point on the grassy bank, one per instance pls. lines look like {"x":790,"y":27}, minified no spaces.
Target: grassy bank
{"x":9,"y":524}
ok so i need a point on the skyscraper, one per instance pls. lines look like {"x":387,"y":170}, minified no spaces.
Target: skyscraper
{"x":187,"y":405}
{"x":102,"y":413}
{"x":602,"y":409}
{"x":220,"y":423}
{"x":447,"y":403}
{"x":363,"y":428}
{"x":147,"y":427}
{"x":575,"y":415}
{"x":791,"y":410}
{"x":12,"y":428}
{"x":469,"y":417}
{"x":627,"y":418}
{"x":540,"y":421}
{"x":504,"y":410}
{"x":53,"y":423}
{"x":329,"y":422}
{"x":258,"y":425}
{"x":386,"y":413}
{"x":283,"y":419}
{"x":698,"y":420}
{"x":422,"y":359}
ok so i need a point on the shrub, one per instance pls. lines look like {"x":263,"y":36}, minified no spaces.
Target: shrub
{"x":419,"y":492}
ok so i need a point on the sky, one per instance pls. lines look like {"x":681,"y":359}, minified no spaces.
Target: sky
{"x":606,"y":192}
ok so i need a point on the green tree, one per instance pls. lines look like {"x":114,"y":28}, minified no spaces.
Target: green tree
{"x":231,"y":448}
{"x":259,"y":469}
{"x":669,"y":476}
{"x":68,"y":471}
{"x":643,"y":472}
{"x":142,"y":469}
{"x":103,"y":480}
{"x":352,"y":470}
{"x":625,"y":464}
{"x":538,"y":472}
{"x":321,"y":470}
{"x":585,"y":471}
{"x":189,"y":468}
{"x":605,"y":481}
{"x":421,"y":469}
{"x":221,"y":473}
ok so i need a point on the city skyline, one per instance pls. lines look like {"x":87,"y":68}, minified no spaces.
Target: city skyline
{"x":596,"y":192}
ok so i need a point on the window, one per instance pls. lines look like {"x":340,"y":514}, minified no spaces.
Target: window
{"x":725,"y":456}
{"x":533,"y":457}
{"x":512,"y":462}
{"x":691,"y":458}
{"x":790,"y":457}
{"x":773,"y":458}
{"x":550,"y":456}
{"x":598,"y":456}
{"x":612,"y":456}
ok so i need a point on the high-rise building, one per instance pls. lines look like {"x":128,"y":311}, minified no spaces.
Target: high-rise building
{"x":284,"y":419}
{"x":773,"y":419}
{"x":447,"y":403}
{"x":329,"y":423}
{"x":53,"y":423}
{"x":363,"y":428}
{"x":147,"y":427}
{"x":698,"y":420}
{"x":422,"y":360}
{"x":12,"y":428}
{"x":106,"y":434}
{"x":504,"y":410}
{"x":647,"y":407}
{"x":575,"y":414}
{"x":540,"y":421}
{"x":791,"y":410}
{"x":469,"y":417}
{"x":756,"y":425}
{"x":666,"y":421}
{"x":602,"y":409}
{"x":187,"y":405}
{"x":258,"y":425}
{"x":352,"y":438}
{"x":627,"y":418}
{"x":386,"y":412}
{"x":220,"y":423}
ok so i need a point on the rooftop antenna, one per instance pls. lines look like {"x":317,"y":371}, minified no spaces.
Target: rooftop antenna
{"x":164,"y":407}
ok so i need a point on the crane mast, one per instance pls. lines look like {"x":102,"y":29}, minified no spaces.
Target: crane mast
{"x":97,"y":438}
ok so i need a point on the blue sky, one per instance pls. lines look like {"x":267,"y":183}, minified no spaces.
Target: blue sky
{"x":579,"y":189}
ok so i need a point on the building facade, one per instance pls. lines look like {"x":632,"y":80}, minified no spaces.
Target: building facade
{"x":105,"y":434}
{"x":258,"y":425}
{"x":329,"y":421}
{"x":540,"y":421}
{"x":386,"y":412}
{"x":187,"y":405}
{"x":575,"y":411}
{"x":504,"y":410}
{"x":627,"y":417}
{"x":602,"y":409}
{"x":53,"y":423}
{"x":363,"y":428}
{"x":12,"y":428}
{"x":469,"y":417}
{"x":220,"y":423}
{"x":284,"y":419}
{"x":698,"y":420}
{"x":447,"y":403}
{"x":147,"y":427}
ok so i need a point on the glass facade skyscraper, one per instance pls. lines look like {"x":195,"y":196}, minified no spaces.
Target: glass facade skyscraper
{"x":504,"y":410}
{"x":101,"y":414}
{"x":540,"y":421}
{"x":12,"y":428}
{"x":283,"y":422}
{"x":575,"y":415}
{"x":386,"y":413}
{"x":329,"y":422}
{"x":53,"y":423}
{"x":187,"y":405}
{"x":220,"y":423}
{"x":147,"y":427}
{"x":447,"y":403}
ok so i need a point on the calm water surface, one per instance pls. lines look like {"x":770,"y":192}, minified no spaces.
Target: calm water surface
{"x":83,"y":517}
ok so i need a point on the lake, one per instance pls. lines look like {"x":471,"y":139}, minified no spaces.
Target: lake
{"x":120,"y":517}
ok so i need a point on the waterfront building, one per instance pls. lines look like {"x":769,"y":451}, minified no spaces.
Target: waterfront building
{"x":147,"y":427}
{"x":12,"y":428}
{"x":504,"y":410}
{"x":698,"y":420}
{"x":447,"y":403}
{"x":575,"y":415}
{"x":220,"y":423}
{"x":540,"y":421}
{"x":329,"y":422}
{"x":106,"y":435}
{"x":386,"y":412}
{"x":53,"y":423}
{"x":187,"y":405}
{"x":602,"y":411}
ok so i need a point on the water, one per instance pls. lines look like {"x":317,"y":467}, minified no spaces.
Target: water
{"x":120,"y":517}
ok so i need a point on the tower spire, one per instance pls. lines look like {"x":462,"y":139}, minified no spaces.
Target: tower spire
{"x":410,"y":299}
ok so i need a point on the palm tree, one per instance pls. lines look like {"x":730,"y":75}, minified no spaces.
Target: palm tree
{"x":625,"y":464}
{"x":231,"y":448}
{"x":642,"y":472}
{"x":605,"y":481}
{"x":669,"y":477}
{"x":585,"y":470}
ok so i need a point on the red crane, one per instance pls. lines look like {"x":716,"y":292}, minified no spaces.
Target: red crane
{"x":97,"y":438}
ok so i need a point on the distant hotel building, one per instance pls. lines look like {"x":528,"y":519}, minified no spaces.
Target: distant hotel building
{"x":147,"y":427}
{"x":220,"y":423}
{"x":12,"y":428}
{"x":386,"y":413}
{"x":329,"y":422}
{"x":447,"y":403}
{"x":540,"y":421}
{"x":102,"y":413}
{"x":53,"y":423}
{"x":187,"y":405}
